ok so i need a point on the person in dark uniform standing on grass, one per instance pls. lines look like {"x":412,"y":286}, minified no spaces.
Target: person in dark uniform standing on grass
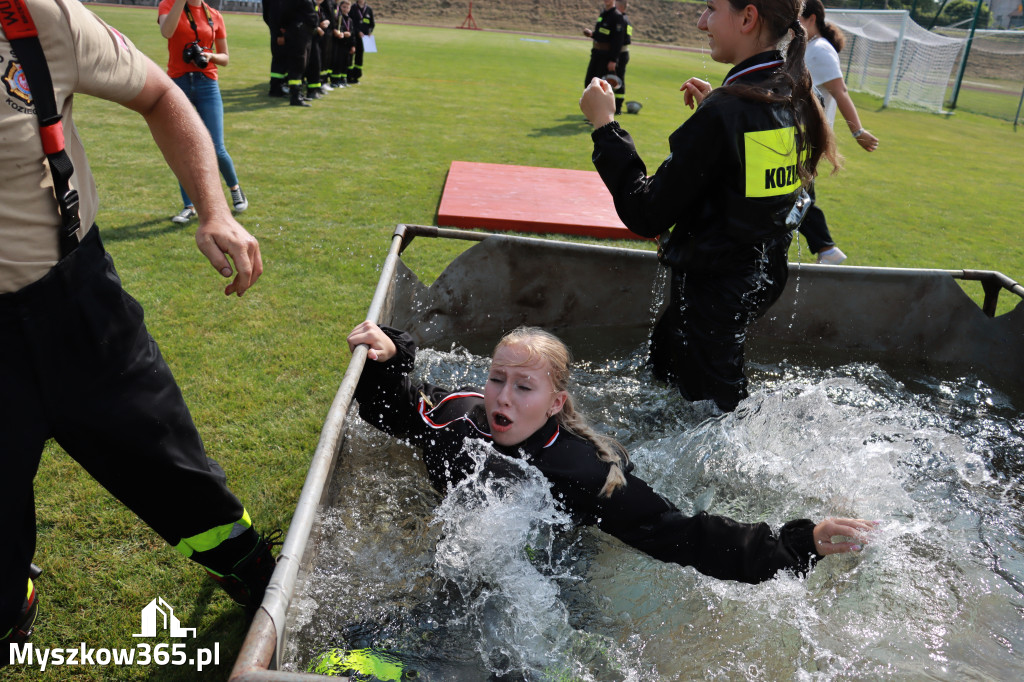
{"x":344,"y":46}
{"x":608,"y":35}
{"x":299,"y":20}
{"x":726,"y":200}
{"x":620,"y":65}
{"x":362,"y":20}
{"x":314,"y":63}
{"x":278,"y":54}
{"x":77,"y":364}
{"x":328,"y":9}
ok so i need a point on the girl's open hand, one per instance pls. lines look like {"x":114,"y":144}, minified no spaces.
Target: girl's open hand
{"x":694,"y":91}
{"x":855,"y":529}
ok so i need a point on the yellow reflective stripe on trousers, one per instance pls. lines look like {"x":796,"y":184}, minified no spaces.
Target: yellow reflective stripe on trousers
{"x":770,"y":159}
{"x":207,"y":540}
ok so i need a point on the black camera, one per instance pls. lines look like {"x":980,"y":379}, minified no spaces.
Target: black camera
{"x":193,"y":52}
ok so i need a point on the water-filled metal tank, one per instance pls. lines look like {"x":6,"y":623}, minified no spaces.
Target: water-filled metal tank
{"x":603,"y":300}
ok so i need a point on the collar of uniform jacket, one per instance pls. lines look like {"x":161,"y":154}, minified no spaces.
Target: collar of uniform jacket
{"x":752,"y":68}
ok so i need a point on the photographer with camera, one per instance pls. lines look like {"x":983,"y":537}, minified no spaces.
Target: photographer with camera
{"x":197,"y":43}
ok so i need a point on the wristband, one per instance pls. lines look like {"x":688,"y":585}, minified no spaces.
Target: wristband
{"x":859,"y":132}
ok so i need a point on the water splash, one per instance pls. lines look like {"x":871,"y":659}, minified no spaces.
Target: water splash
{"x":451,"y":586}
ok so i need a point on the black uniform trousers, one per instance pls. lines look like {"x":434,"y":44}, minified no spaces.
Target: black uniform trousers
{"x":313,"y":63}
{"x":326,"y":42}
{"x":297,"y":41}
{"x":598,"y":66}
{"x":620,"y":71}
{"x":355,"y":71}
{"x":341,"y":59}
{"x":815,"y":228}
{"x":278,"y":62}
{"x":77,"y":365}
{"x":698,"y":342}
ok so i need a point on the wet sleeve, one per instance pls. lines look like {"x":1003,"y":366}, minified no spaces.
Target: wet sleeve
{"x":716,"y":546}
{"x":651,"y":205}
{"x":387,"y":398}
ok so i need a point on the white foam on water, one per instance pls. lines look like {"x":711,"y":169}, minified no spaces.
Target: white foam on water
{"x":489,"y":583}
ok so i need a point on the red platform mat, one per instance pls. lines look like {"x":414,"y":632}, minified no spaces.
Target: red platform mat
{"x":529,"y":199}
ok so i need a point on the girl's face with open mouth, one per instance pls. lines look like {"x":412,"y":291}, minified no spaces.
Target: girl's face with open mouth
{"x":519,"y":396}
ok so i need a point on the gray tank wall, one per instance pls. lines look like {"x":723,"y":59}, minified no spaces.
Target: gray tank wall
{"x":902,"y":317}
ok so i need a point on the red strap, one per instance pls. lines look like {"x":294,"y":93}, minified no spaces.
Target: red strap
{"x":53,"y":135}
{"x":16,"y":20}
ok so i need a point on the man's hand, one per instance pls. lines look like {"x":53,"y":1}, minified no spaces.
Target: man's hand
{"x":222,"y":238}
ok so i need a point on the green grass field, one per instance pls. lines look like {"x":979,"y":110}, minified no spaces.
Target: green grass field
{"x":326,"y":188}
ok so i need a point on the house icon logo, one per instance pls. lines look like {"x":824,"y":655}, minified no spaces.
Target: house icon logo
{"x":152,"y":614}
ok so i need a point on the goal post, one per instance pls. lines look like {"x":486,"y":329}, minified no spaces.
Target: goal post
{"x":889,"y":55}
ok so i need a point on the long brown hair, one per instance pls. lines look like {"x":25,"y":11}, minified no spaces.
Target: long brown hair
{"x":542,"y":344}
{"x":794,"y":89}
{"x":828,"y":31}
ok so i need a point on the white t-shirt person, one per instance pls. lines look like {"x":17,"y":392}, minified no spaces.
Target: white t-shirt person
{"x":823,"y":64}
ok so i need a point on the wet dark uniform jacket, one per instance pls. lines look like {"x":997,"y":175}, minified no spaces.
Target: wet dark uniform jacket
{"x":725,"y":192}
{"x":609,"y":33}
{"x":439,"y":421}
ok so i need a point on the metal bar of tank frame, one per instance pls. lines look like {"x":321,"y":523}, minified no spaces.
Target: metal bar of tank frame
{"x":263,"y":643}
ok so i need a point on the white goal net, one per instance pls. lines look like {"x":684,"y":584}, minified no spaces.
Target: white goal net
{"x":887,"y":54}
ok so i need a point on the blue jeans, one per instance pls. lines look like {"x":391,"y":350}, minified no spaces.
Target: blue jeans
{"x":204,"y":93}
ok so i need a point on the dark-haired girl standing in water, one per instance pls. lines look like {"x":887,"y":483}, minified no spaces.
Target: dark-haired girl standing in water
{"x":723,"y":201}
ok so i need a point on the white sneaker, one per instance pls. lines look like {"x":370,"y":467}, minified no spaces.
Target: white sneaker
{"x":239,"y":200}
{"x":186,"y":215}
{"x":831,"y":256}
{"x":325,"y":87}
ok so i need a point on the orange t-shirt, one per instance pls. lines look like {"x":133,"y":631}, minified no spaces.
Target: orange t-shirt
{"x":183,"y":35}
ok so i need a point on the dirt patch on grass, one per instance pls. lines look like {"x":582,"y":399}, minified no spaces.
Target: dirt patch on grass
{"x":654,"y":21}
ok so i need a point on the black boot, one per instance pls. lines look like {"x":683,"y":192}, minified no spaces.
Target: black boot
{"x":247,"y":581}
{"x":22,"y":629}
{"x":297,"y":99}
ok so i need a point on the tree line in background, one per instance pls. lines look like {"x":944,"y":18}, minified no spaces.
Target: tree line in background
{"x":927,"y":13}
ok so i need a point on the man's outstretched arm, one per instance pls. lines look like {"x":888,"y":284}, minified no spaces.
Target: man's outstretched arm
{"x":186,"y":145}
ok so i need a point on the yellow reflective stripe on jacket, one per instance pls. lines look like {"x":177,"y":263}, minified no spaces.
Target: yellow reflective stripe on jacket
{"x":209,"y":539}
{"x":771,"y":162}
{"x":606,"y":31}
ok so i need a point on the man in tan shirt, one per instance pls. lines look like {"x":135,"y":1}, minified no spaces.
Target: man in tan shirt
{"x":76,"y":361}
